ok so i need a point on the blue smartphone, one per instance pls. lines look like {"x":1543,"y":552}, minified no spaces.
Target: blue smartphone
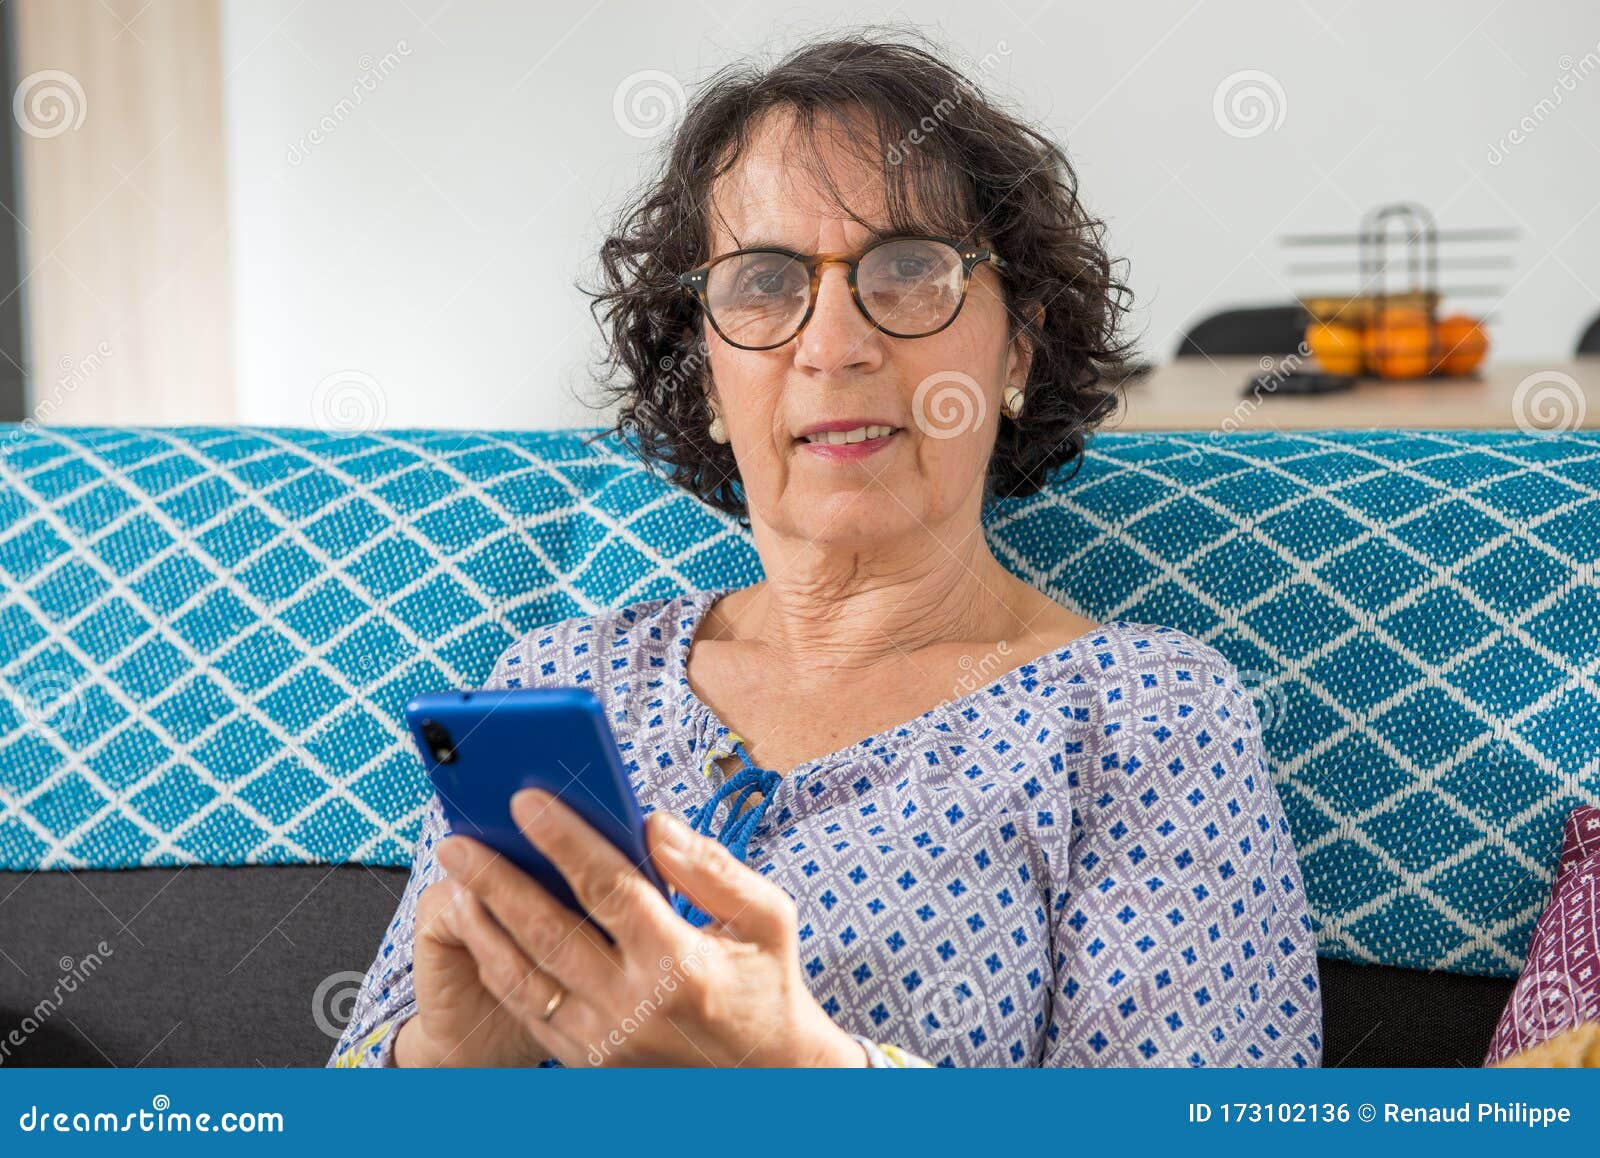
{"x":482,"y":747}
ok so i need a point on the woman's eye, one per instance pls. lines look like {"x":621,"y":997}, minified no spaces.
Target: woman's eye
{"x":765,"y":283}
{"x":910,"y":268}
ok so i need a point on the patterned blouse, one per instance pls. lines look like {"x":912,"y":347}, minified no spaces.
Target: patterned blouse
{"x":1083,"y":862}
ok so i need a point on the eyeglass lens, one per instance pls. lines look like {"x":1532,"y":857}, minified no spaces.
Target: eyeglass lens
{"x":909,"y":287}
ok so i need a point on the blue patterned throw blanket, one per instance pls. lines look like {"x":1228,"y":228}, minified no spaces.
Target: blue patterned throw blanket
{"x":206,"y":634}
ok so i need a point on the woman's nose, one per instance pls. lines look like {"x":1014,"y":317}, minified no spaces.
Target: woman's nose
{"x":838,"y":337}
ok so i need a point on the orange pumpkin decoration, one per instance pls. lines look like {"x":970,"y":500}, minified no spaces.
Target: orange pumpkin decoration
{"x":1337,"y":346}
{"x":1462,"y":345}
{"x":1398,"y":344}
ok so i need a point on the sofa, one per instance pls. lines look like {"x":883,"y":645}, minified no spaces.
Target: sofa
{"x":207,"y":799}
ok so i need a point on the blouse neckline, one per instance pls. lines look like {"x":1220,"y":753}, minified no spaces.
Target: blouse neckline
{"x":712,"y":731}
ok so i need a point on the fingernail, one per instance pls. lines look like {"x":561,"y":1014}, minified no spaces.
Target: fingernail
{"x":673,"y":832}
{"x":452,"y":856}
{"x":532,"y":801}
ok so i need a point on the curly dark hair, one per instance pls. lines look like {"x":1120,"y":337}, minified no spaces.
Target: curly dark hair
{"x":954,"y":163}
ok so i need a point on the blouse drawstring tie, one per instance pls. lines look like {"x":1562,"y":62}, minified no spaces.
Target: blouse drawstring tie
{"x":741,"y":823}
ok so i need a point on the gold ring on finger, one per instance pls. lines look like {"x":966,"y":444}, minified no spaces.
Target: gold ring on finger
{"x":553,"y":1004}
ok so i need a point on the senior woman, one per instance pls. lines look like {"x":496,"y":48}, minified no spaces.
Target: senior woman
{"x":875,"y":861}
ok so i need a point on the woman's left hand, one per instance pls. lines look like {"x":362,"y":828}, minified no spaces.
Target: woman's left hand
{"x":665,"y":993}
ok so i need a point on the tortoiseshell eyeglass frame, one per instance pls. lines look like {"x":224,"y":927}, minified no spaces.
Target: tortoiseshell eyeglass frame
{"x":698,"y":279}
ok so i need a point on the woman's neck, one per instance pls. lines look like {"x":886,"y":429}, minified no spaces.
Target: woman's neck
{"x":854,"y":609}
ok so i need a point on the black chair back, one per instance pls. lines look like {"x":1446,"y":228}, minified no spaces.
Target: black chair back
{"x":1590,"y":342}
{"x":1251,"y":332}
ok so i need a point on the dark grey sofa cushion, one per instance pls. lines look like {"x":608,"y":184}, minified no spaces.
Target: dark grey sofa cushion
{"x":223,"y":967}
{"x":208,"y":966}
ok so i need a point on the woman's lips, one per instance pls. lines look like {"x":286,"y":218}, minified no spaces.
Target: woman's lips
{"x":848,"y":451}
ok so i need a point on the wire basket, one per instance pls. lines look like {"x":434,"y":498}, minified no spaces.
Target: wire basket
{"x":1391,"y":327}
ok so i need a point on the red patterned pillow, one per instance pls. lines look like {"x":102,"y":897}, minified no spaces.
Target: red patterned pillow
{"x":1560,"y":985}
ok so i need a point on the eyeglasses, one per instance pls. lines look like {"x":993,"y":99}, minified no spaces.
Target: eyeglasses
{"x":906,"y":286}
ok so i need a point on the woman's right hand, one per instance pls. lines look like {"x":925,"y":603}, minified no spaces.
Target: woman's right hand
{"x":458,"y":1022}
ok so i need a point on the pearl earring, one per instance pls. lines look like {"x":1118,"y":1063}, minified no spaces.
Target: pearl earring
{"x":717,"y":430}
{"x":1012,"y":406}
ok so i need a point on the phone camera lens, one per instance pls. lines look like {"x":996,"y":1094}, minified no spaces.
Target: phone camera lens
{"x":438,"y":741}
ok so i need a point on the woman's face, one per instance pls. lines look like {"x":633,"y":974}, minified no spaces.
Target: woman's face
{"x":941,"y":393}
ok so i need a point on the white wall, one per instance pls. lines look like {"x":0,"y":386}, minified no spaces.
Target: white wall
{"x":425,"y":249}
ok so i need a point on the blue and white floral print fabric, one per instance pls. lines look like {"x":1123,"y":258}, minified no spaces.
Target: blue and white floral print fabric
{"x":1082,"y":863}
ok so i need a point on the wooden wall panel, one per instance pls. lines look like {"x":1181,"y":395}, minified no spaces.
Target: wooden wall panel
{"x":124,"y":210}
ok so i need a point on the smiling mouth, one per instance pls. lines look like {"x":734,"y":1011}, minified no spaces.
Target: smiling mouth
{"x":844,"y":437}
